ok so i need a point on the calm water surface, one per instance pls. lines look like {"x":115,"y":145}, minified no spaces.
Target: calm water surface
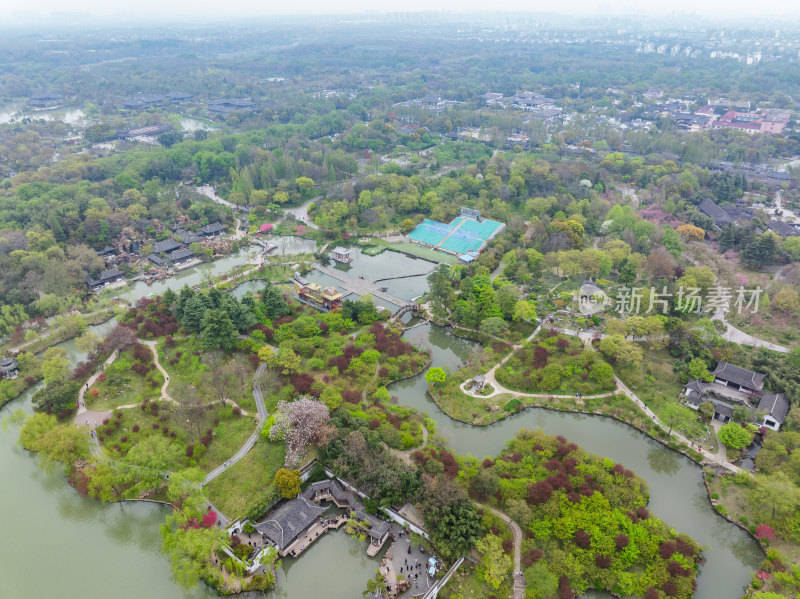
{"x":89,"y":548}
{"x":677,"y":494}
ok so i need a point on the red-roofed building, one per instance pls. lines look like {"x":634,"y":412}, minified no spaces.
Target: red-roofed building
{"x":772,"y":121}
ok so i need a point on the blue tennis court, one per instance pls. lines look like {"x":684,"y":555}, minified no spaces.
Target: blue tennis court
{"x":462,"y":235}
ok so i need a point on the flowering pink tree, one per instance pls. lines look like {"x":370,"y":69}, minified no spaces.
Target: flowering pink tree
{"x":300,"y":230}
{"x":265,"y":228}
{"x":765,"y":532}
{"x":298,"y":424}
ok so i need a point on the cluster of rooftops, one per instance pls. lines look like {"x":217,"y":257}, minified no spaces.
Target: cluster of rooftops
{"x":293,"y":518}
{"x":223,"y":105}
{"x":731,"y":214}
{"x":171,"y":251}
{"x":734,"y":386}
{"x":176,"y":250}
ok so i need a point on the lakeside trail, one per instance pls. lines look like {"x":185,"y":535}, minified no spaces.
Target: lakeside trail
{"x":719,"y":458}
{"x":92,"y":379}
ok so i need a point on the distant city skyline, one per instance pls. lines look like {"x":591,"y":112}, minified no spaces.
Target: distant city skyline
{"x":154,"y":11}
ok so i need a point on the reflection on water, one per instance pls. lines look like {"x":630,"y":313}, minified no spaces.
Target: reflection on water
{"x":677,"y":493}
{"x":663,"y":462}
{"x":89,"y":547}
{"x":336,"y":565}
{"x":17,"y":112}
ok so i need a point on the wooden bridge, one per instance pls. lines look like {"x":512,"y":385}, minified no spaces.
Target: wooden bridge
{"x":416,"y":274}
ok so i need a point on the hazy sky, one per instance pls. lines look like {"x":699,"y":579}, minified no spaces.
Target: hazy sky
{"x":159,"y":9}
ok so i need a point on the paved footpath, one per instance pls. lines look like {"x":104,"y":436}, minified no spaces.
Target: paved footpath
{"x":251,"y":441}
{"x":519,"y":576}
{"x":91,"y":381}
{"x":719,"y":458}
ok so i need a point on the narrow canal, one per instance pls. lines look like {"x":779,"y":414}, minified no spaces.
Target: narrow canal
{"x":92,"y":549}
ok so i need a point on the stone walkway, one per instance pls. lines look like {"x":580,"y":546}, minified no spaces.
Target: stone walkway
{"x":91,"y":418}
{"x":153,"y":348}
{"x":251,"y":441}
{"x":397,"y":557}
{"x":359,"y":286}
{"x":516,"y":531}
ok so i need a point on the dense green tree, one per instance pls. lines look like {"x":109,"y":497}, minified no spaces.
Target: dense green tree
{"x":436,"y":375}
{"x":194,"y":312}
{"x":55,"y":365}
{"x":287,"y":482}
{"x":734,"y":436}
{"x":218,"y":331}
{"x":274,"y":304}
{"x":495,"y":564}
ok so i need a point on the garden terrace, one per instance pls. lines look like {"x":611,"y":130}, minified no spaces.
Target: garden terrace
{"x":199,"y":375}
{"x":352,"y":371}
{"x":167,"y":437}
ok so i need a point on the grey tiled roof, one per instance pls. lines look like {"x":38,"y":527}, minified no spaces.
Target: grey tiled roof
{"x":290,"y":521}
{"x":165,"y":245}
{"x":739,"y":376}
{"x":776,"y":405}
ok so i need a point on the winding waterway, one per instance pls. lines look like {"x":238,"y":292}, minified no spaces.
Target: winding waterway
{"x":677,"y":493}
{"x":88,"y":548}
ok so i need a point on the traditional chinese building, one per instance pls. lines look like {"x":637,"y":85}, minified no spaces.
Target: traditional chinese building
{"x":314,"y":295}
{"x":341,"y":254}
{"x":733,"y":387}
{"x":9,"y":368}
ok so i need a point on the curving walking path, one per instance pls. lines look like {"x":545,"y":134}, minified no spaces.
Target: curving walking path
{"x":301,"y":213}
{"x":251,"y":441}
{"x":516,"y":531}
{"x":735,"y":335}
{"x":719,"y":458}
{"x":91,"y":381}
{"x":153,"y":348}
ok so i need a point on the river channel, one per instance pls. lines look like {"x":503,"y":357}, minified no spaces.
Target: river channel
{"x":71,"y":115}
{"x":90,"y":550}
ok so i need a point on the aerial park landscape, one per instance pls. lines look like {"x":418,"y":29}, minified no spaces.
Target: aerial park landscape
{"x":292,"y":332}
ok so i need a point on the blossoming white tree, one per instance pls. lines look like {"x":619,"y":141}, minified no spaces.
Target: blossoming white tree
{"x":298,"y":423}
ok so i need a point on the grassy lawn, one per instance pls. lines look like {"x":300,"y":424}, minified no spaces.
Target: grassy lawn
{"x":122,"y":385}
{"x":659,"y":387}
{"x":196,"y":373}
{"x":407,"y":247}
{"x":229,"y":436}
{"x":248,"y":483}
{"x":214,"y":434}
